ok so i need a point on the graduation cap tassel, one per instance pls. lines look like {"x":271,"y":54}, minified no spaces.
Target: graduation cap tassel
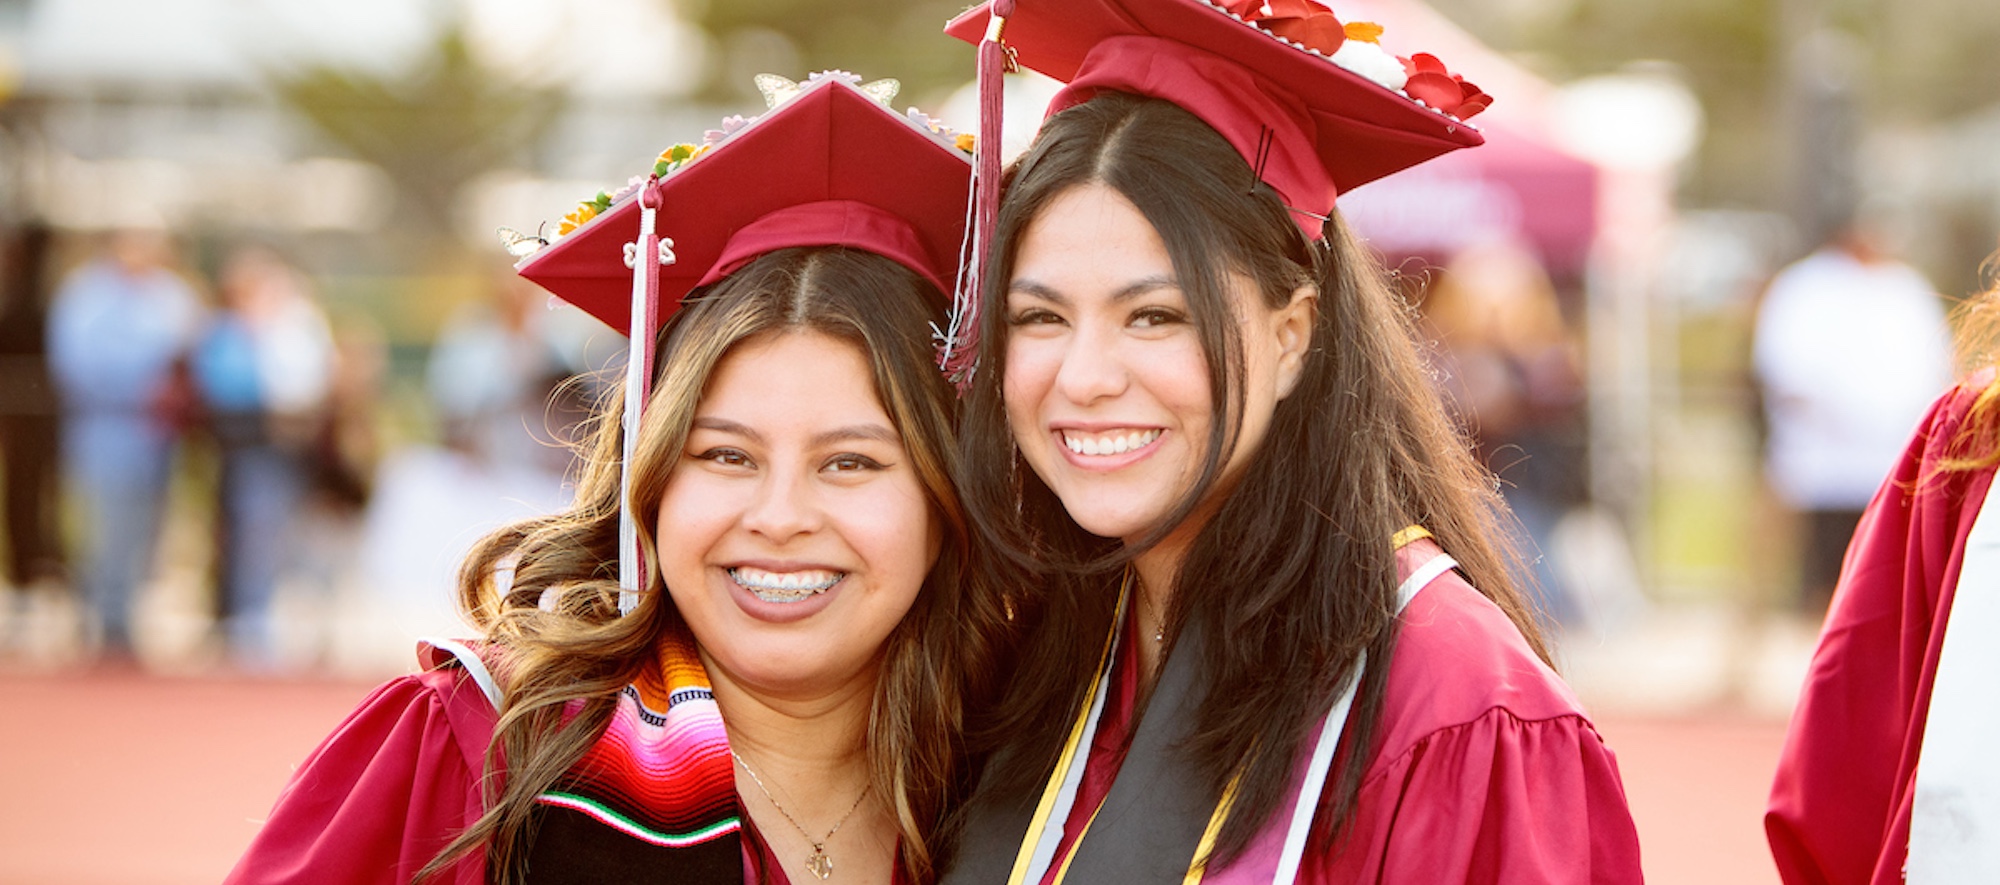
{"x":962,"y":344}
{"x":645,"y":257}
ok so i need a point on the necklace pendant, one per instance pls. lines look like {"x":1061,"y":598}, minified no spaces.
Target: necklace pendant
{"x":818,"y":863}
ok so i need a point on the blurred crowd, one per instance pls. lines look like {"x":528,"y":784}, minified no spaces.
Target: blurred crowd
{"x":139,"y":389}
{"x":213,"y":437}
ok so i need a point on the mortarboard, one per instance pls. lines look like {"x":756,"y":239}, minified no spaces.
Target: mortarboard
{"x":1315,"y":106}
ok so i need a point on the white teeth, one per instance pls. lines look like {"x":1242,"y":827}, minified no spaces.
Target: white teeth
{"x":785,"y":586}
{"x":1113,"y":444}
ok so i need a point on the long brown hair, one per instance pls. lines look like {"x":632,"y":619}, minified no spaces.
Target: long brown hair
{"x":1360,"y":449}
{"x":574,"y":647}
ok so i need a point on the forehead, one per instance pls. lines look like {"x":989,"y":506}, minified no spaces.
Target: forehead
{"x":793,"y":376}
{"x":1089,"y":237}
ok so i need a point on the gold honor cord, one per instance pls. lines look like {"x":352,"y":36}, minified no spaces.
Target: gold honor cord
{"x":1198,"y":867}
{"x":1051,"y":792}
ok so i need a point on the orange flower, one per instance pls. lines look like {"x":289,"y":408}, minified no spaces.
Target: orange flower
{"x":964,"y":142}
{"x":1434,"y":85}
{"x":1366,"y":32}
{"x":577,"y":217}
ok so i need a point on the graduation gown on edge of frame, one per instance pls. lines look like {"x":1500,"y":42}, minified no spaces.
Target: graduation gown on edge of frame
{"x":1840,"y":804}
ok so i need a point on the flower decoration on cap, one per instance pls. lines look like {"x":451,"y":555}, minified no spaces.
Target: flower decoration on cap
{"x":1431,"y":83}
{"x":584,"y":212}
{"x":1303,"y":22}
{"x":1356,"y":47}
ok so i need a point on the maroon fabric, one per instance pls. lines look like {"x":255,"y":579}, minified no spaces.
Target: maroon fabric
{"x":1485,"y":767}
{"x":384,"y":793}
{"x":830,"y":143}
{"x":1840,"y":804}
{"x":1354,"y":129}
{"x":1268,"y":125}
{"x":829,"y":223}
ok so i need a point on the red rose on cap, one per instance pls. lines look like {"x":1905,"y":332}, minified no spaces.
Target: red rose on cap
{"x":1433,"y":85}
{"x":1300,"y":21}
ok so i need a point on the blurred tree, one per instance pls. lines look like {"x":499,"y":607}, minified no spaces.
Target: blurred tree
{"x":1918,"y":61}
{"x":874,"y":38}
{"x":431,"y":129}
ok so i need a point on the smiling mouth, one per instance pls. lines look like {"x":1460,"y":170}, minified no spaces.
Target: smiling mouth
{"x":785,"y":587}
{"x":1115,"y":443}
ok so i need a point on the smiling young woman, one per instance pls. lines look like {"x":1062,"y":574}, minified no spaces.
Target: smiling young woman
{"x":1274,"y":637}
{"x":746,"y":652}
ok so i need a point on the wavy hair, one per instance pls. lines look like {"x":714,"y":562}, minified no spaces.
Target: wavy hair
{"x":563,"y":646}
{"x":1976,"y":446}
{"x":1360,"y":449}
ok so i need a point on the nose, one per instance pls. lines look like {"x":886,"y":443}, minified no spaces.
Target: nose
{"x":785,"y":506}
{"x":1093,"y":367}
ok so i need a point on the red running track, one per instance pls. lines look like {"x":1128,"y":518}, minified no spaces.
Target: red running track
{"x":142,"y":780}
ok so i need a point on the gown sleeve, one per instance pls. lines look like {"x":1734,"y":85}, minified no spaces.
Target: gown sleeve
{"x":1486,"y":768}
{"x":1840,"y":802}
{"x":1495,"y":800}
{"x":395,"y":782}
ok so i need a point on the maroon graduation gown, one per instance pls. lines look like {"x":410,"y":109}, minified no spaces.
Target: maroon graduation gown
{"x":1485,"y":769}
{"x":1840,"y":804}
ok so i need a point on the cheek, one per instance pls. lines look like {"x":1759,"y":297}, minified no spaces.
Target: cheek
{"x":896,"y":532}
{"x":1178,"y":376}
{"x":1030,"y":371}
{"x":692,"y":513}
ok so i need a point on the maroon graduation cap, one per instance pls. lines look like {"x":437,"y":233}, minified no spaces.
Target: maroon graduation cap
{"x":1320,"y":128}
{"x":1314,"y":116}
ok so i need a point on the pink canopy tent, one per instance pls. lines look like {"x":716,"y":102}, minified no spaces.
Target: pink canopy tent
{"x":1519,"y":186}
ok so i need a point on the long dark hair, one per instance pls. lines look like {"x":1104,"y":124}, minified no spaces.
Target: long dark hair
{"x":574,"y":647}
{"x":1360,"y":449}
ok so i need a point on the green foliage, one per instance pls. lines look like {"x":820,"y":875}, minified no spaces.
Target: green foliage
{"x":430,"y":130}
{"x":874,"y":38}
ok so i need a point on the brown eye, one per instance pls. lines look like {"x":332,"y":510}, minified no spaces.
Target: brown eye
{"x":726,"y":457}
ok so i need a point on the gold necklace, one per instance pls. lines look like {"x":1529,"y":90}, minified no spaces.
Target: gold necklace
{"x":819,"y":863}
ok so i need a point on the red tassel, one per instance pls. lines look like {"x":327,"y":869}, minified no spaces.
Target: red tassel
{"x":962,"y":345}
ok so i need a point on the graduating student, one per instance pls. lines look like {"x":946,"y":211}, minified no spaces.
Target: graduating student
{"x":1275,"y":638}
{"x":1889,"y":772}
{"x":781,"y":697}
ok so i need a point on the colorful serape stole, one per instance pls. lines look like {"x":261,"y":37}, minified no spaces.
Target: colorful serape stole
{"x":654,"y":800}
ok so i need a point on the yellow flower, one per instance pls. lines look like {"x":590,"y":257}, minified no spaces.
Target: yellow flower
{"x":1366,"y":32}
{"x":964,"y":142}
{"x":577,"y":217}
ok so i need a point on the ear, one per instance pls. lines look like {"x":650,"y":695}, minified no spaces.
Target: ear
{"x":1293,"y":326}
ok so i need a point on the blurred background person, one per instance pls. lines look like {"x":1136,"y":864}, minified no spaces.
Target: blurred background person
{"x":29,"y":447}
{"x":264,"y":369}
{"x":1850,"y":346}
{"x":493,"y":374}
{"x":498,"y":384}
{"x":118,"y":328}
{"x":1513,"y":371}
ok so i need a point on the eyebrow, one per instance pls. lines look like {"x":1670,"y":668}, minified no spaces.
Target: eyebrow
{"x":875,"y":432}
{"x":1130,"y":290}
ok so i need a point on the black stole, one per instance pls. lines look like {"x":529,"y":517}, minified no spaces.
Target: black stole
{"x":1152,"y":819}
